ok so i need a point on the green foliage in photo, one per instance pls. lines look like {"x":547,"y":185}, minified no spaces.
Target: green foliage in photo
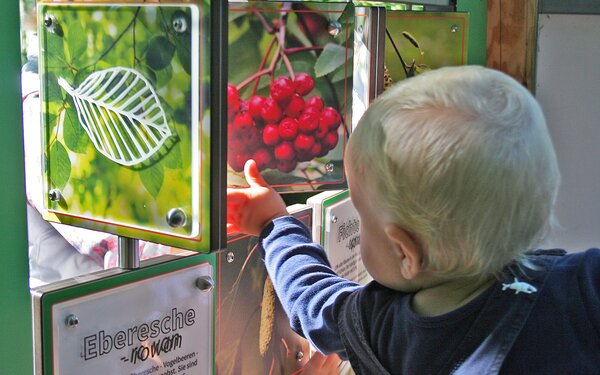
{"x":155,"y":42}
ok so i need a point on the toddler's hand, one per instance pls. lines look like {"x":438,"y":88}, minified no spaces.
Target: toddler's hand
{"x":251,"y":209}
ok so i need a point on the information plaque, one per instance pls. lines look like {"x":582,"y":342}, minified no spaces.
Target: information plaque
{"x":337,"y":228}
{"x":134,"y":323}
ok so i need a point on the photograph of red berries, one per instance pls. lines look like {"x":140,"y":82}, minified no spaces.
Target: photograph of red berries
{"x":288,"y":93}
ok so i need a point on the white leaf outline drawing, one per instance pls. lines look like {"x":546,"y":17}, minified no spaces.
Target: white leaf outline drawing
{"x":121,"y":113}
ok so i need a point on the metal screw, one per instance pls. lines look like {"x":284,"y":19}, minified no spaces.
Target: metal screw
{"x":180,"y":25}
{"x":205,"y":283}
{"x":329,"y":167}
{"x":453,"y":28}
{"x":54,"y":195}
{"x":334,"y":28}
{"x":334,"y":219}
{"x":71,"y":320}
{"x":48,"y":20}
{"x":299,"y":356}
{"x":176,"y":217}
{"x":230,"y":257}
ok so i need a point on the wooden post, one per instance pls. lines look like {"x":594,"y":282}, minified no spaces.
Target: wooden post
{"x":512,"y":38}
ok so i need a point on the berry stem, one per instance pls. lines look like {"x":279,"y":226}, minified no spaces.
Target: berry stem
{"x":303,"y":170}
{"x":291,"y":51}
{"x":281,"y":40}
{"x":263,"y":63}
{"x":288,"y":65}
{"x":264,"y":22}
{"x":274,"y":61}
{"x":253,"y":77}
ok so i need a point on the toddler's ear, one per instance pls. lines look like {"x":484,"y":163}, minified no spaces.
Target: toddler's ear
{"x":407,"y":249}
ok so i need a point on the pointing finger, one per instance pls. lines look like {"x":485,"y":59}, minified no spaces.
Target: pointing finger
{"x":253,"y":175}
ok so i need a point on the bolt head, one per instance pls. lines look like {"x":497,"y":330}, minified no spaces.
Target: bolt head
{"x":180,"y":25}
{"x":176,"y":217}
{"x":329,"y":167}
{"x":205,"y":283}
{"x":54,"y":195}
{"x":71,"y":321}
{"x":334,"y":28}
{"x":48,"y":21}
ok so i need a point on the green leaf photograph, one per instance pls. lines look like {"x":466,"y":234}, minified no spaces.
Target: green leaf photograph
{"x":125,"y":131}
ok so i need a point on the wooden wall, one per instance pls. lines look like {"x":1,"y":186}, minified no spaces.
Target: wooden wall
{"x":512,"y":38}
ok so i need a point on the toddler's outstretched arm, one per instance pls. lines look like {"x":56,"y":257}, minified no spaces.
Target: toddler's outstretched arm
{"x":310,"y":292}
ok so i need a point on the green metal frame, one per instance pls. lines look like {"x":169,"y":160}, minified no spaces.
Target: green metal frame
{"x":477,"y":10}
{"x":16,"y":356}
{"x":328,"y":202}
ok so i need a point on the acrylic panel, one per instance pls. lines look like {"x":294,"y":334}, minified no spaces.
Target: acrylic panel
{"x":125,"y":119}
{"x":253,"y":334}
{"x":290,"y":92}
{"x":419,"y":41}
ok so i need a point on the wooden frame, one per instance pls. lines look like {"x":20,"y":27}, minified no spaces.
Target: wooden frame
{"x":512,"y":38}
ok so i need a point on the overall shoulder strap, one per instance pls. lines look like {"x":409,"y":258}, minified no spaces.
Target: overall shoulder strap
{"x":359,"y":352}
{"x":494,"y":332}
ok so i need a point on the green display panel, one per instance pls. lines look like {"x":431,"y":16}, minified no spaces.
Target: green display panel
{"x":126,"y":119}
{"x":253,"y":334}
{"x":157,"y":319}
{"x":290,"y":92}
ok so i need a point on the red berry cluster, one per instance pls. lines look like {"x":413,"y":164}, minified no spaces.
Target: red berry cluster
{"x":281,"y":130}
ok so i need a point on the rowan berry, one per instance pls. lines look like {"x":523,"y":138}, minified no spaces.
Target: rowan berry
{"x":309,"y":122}
{"x":286,"y":166}
{"x":233,"y":96}
{"x":284,"y":151}
{"x":282,"y":89}
{"x":263,"y":158}
{"x":304,"y":142}
{"x":295,"y":107}
{"x":314,"y":102}
{"x":321,"y":130}
{"x":270,"y":111}
{"x":241,"y":121}
{"x":288,"y":128}
{"x":303,"y":84}
{"x":255,"y":105}
{"x":330,"y":117}
{"x":270,"y":135}
{"x":331,"y":140}
{"x":318,"y":150}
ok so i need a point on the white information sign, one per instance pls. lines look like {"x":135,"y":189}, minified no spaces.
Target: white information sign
{"x":160,"y":326}
{"x":342,"y":241}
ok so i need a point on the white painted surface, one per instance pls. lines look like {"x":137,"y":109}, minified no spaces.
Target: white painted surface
{"x":568,"y":89}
